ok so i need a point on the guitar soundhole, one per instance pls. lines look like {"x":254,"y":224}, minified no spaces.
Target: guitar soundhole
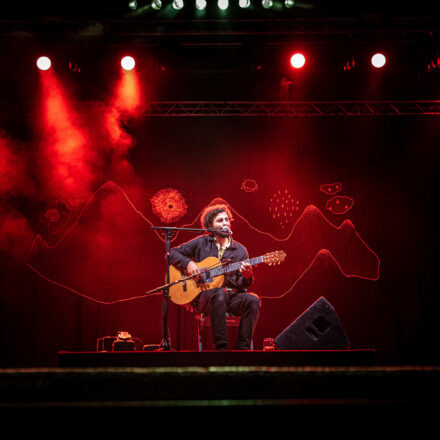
{"x":206,"y":277}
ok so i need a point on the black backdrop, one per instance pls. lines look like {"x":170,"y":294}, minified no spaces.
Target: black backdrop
{"x":66,"y":283}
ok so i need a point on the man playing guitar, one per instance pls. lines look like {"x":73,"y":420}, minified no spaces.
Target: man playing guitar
{"x":230,"y":298}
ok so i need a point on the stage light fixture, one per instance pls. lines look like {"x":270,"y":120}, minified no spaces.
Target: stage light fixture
{"x":223,"y":4}
{"x":289,"y":3}
{"x":178,"y":4}
{"x":44,"y":63}
{"x":128,"y":63}
{"x":201,"y":5}
{"x":297,"y":60}
{"x":244,"y":3}
{"x":378,"y":60}
{"x":132,"y":4}
{"x":156,"y":4}
{"x":267,"y":4}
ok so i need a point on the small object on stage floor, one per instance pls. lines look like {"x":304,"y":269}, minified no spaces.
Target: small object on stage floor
{"x":268,"y":344}
{"x":124,"y":342}
{"x":105,"y":343}
{"x":151,"y":347}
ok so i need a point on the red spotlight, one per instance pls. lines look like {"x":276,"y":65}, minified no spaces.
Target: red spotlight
{"x":128,"y":92}
{"x":127,"y":63}
{"x":297,"y":60}
{"x":66,"y":170}
{"x":44,"y":63}
{"x":378,"y":60}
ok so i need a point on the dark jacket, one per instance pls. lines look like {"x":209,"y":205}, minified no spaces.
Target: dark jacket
{"x":204,"y":246}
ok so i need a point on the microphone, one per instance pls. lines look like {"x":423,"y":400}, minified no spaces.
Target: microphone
{"x":223,"y":231}
{"x":226,"y":230}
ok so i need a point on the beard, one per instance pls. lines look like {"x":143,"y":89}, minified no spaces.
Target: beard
{"x":223,"y":232}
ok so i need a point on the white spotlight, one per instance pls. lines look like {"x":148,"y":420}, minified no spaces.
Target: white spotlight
{"x":156,"y":4}
{"x":244,"y":3}
{"x":128,"y":63}
{"x":223,"y":4}
{"x":178,"y":4}
{"x":44,"y":63}
{"x":378,"y":60}
{"x":267,"y":4}
{"x":297,"y":60}
{"x":201,"y":5}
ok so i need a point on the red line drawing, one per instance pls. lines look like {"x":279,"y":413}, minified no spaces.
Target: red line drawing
{"x":313,"y":239}
{"x":331,"y":188}
{"x":249,"y":185}
{"x":339,"y":204}
{"x":169,"y":205}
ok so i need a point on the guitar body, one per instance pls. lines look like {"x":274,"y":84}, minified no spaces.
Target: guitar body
{"x":184,"y":289}
{"x":184,"y":292}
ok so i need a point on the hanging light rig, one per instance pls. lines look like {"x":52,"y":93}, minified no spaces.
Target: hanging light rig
{"x":202,"y":5}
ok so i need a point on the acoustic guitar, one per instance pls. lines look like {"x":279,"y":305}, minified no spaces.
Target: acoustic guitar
{"x":186,"y":288}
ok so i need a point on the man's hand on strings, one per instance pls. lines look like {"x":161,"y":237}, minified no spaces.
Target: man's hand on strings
{"x":246,"y":269}
{"x":194,"y":271}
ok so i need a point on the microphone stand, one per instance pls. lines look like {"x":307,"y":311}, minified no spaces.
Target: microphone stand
{"x":165,"y":345}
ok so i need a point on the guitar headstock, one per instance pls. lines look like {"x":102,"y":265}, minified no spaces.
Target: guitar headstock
{"x":275,"y":257}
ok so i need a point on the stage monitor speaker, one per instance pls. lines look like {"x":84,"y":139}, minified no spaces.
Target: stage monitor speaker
{"x":318,"y":328}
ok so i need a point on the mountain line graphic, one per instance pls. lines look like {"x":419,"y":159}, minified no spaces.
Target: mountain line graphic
{"x":110,"y":255}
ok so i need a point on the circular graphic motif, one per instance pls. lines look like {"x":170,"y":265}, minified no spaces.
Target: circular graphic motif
{"x":169,"y":205}
{"x":249,"y":185}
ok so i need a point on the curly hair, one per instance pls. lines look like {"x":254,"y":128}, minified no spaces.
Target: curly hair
{"x":210,"y":212}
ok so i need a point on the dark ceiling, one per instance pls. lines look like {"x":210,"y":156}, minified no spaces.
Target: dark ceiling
{"x":312,"y":20}
{"x":242,"y":47}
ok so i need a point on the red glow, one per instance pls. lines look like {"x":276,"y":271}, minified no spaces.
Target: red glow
{"x":8,"y":166}
{"x":15,"y":232}
{"x":118,"y":136}
{"x":67,"y":167}
{"x":102,"y":202}
{"x":128,"y":96}
{"x":127,"y":102}
{"x":14,"y":175}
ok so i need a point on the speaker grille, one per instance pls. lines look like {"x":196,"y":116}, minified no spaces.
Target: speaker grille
{"x":318,"y":328}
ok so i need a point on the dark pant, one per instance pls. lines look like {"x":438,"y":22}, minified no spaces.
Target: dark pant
{"x":218,"y":302}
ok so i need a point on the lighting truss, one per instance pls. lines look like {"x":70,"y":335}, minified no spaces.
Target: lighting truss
{"x":293,"y":108}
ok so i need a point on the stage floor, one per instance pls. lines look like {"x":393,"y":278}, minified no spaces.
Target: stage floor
{"x":281,"y":358}
{"x":317,"y":382}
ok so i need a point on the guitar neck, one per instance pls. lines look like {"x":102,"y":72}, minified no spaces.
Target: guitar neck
{"x":234,"y":266}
